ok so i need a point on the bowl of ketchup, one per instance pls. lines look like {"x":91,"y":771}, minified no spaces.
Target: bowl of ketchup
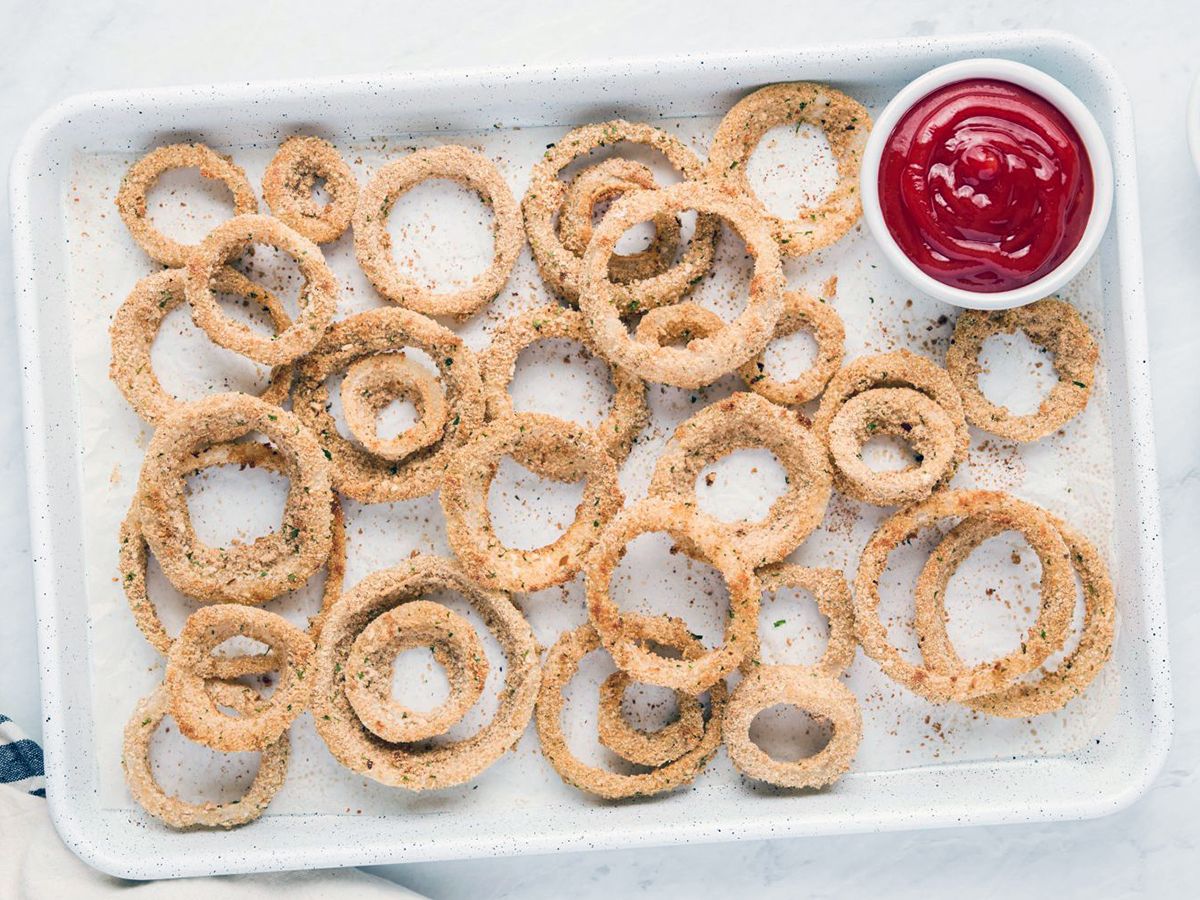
{"x":987,"y":183}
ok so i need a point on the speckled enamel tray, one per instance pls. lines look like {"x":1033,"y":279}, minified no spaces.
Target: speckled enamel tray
{"x":1107,"y":773}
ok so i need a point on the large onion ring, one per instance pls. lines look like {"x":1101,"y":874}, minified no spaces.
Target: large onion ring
{"x":371,"y":383}
{"x":288,"y":184}
{"x":829,"y":589}
{"x":802,"y":312}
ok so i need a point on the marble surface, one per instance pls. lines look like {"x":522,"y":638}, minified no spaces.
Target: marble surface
{"x":51,"y":50}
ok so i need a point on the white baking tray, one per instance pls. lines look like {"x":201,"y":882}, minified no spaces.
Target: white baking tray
{"x":1099,"y":775}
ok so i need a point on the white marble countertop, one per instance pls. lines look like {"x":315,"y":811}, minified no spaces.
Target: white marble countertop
{"x":47,"y":53}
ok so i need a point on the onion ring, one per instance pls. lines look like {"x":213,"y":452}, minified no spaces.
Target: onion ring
{"x":497,"y":364}
{"x":399,"y":765}
{"x":356,"y":472}
{"x":680,"y":322}
{"x":846,"y":124}
{"x":552,"y":448}
{"x":177,"y":813}
{"x":1051,"y":323}
{"x":1054,"y":688}
{"x":704,"y":360}
{"x":189,"y":665}
{"x":241,"y":573}
{"x":829,"y":589}
{"x":371,"y":383}
{"x":562,"y":662}
{"x":135,"y":186}
{"x":738,"y":422}
{"x":318,"y":296}
{"x":897,"y":412}
{"x":420,"y":623}
{"x":802,"y":312}
{"x":819,"y":696}
{"x":372,"y":244}
{"x":288,"y":184}
{"x":562,"y":269}
{"x":682,"y":524}
{"x":136,"y":324}
{"x":1045,"y":636}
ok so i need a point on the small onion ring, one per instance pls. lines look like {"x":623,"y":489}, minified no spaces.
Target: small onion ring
{"x":135,"y":186}
{"x":402,"y":765}
{"x":189,"y":665}
{"x":138,"y":319}
{"x":370,"y":665}
{"x":552,"y":448}
{"x":802,"y":312}
{"x":177,"y":813}
{"x":680,"y":322}
{"x":682,"y":524}
{"x":318,"y":295}
{"x":372,"y":243}
{"x":288,"y":184}
{"x":562,"y":269}
{"x":704,"y":360}
{"x":497,"y":364}
{"x":371,"y":383}
{"x":1045,"y":636}
{"x":846,"y":124}
{"x":562,"y":662}
{"x":741,"y":421}
{"x":819,"y":696}
{"x":1051,"y":323}
{"x":828,"y":587}
{"x":1074,"y":673}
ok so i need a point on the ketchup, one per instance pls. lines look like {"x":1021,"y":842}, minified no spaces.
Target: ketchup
{"x":985,"y":185}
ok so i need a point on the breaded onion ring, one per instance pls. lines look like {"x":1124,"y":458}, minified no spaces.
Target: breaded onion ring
{"x":318,"y":294}
{"x":372,"y":243}
{"x":373,"y":382}
{"x":1054,"y":325}
{"x":131,"y":197}
{"x":240,"y":573}
{"x":356,"y":472}
{"x":404,"y":765}
{"x":554,"y":449}
{"x":136,"y":324}
{"x":370,"y":665}
{"x":802,"y":312}
{"x":705,"y":360}
{"x":288,"y":185}
{"x":1054,"y":688}
{"x":679,"y":323}
{"x":681,"y":523}
{"x":562,"y":662}
{"x":818,"y":695}
{"x":188,"y":676}
{"x":497,"y":364}
{"x":846,"y":124}
{"x":562,"y":269}
{"x":738,"y":422}
{"x":829,"y":589}
{"x":177,"y":813}
{"x":1045,"y":636}
{"x":896,"y":412}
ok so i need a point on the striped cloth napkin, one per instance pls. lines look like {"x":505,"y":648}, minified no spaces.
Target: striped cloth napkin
{"x":20,"y":760}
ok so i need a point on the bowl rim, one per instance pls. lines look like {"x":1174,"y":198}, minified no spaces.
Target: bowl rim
{"x":1051,"y":90}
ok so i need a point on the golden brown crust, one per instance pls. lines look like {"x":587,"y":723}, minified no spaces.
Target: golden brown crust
{"x":288,"y":185}
{"x":371,"y":383}
{"x":829,"y":589}
{"x":802,"y":312}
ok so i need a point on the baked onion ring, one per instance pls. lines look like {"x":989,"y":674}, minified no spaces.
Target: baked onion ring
{"x":562,"y":269}
{"x":1044,"y":637}
{"x":402,"y":765}
{"x":678,"y":323}
{"x":562,"y":662}
{"x":802,"y":312}
{"x":240,"y":573}
{"x":829,"y":589}
{"x":705,"y":360}
{"x":373,"y":382}
{"x":318,"y":295}
{"x":552,"y":448}
{"x":497,"y":364}
{"x":189,"y":668}
{"x":177,"y":813}
{"x":1051,"y":323}
{"x":738,"y":422}
{"x":370,"y":664}
{"x":135,"y":186}
{"x":818,"y":695}
{"x":846,"y":124}
{"x":288,"y":185}
{"x":681,"y":523}
{"x":372,"y":243}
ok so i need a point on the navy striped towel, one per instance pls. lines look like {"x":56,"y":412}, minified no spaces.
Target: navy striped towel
{"x":20,"y":760}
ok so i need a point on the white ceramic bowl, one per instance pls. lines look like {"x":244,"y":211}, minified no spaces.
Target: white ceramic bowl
{"x":1045,"y":86}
